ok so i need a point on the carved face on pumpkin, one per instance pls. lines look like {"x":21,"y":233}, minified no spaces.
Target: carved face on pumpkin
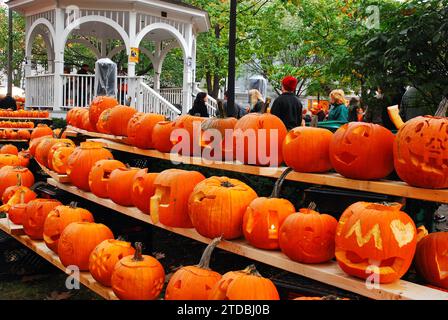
{"x":421,"y":152}
{"x":362,"y":151}
{"x":375,"y":238}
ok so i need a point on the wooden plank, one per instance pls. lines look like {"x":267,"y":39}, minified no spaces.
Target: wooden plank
{"x":393,"y":188}
{"x":12,"y":228}
{"x":96,"y":134}
{"x":328,"y":273}
{"x":41,"y":249}
{"x":29,"y":129}
{"x":61,"y":178}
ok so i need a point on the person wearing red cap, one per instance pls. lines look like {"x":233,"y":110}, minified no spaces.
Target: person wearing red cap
{"x":288,"y":106}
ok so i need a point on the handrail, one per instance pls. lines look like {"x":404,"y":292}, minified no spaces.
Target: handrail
{"x":158,"y":104}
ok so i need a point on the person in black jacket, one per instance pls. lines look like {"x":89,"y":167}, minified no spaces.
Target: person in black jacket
{"x":199,"y":106}
{"x":8,"y":102}
{"x":288,"y":106}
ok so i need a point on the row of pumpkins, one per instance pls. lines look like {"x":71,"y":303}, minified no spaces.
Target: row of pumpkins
{"x":24,"y":114}
{"x":17,"y":124}
{"x":364,"y":151}
{"x":367,"y":233}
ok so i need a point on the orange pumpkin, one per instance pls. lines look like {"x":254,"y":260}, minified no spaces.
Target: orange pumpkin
{"x":117,"y":120}
{"x":98,"y":105}
{"x":105,"y":256}
{"x":36,"y":212}
{"x":17,"y":213}
{"x":215,"y":147}
{"x":41,"y":130}
{"x":24,"y":158}
{"x":81,"y":161}
{"x":375,"y":240}
{"x":78,"y":240}
{"x":308,"y":236}
{"x":140,"y":128}
{"x":100,"y":174}
{"x":11,"y":176}
{"x":119,"y":187}
{"x":265,"y":216}
{"x":59,"y":161}
{"x":143,"y":189}
{"x":103,"y":124}
{"x":58,"y":219}
{"x":9,"y":160}
{"x":9,"y":149}
{"x":23,"y":134}
{"x":44,"y":148}
{"x":194,"y":282}
{"x":217,"y":206}
{"x":55,"y":147}
{"x":187,"y":130}
{"x":138,"y":277}
{"x":35,"y":142}
{"x":161,"y":136}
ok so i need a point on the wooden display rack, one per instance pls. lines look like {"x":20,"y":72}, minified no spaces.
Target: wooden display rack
{"x":24,"y":118}
{"x":328,"y":273}
{"x":393,"y":188}
{"x":61,"y":178}
{"x":77,"y":131}
{"x":41,"y":249}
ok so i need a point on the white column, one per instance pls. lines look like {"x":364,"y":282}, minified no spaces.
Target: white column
{"x":187,"y":81}
{"x":132,"y":85}
{"x":158,"y":62}
{"x":59,"y":45}
{"x":103,"y":48}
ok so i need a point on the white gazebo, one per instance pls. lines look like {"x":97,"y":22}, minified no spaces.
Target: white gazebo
{"x":117,"y":25}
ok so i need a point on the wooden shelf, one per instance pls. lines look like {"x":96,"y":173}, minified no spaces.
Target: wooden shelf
{"x":41,"y":249}
{"x":95,"y":134}
{"x":393,"y":188}
{"x":29,"y":129}
{"x":328,"y":273}
{"x":7,"y":140}
{"x":61,"y":178}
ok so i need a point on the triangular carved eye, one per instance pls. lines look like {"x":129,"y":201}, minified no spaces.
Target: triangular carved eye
{"x":419,"y":127}
{"x":207,"y":287}
{"x":178,"y":284}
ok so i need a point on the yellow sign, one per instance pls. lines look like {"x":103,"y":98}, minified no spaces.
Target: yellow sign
{"x":134,"y":55}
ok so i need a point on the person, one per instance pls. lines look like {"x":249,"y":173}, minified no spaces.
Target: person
{"x":199,"y":106}
{"x":339,"y":111}
{"x":256,"y":101}
{"x":84,"y":69}
{"x":288,"y":106}
{"x":353,"y":109}
{"x":236,"y":112}
{"x":8,"y":102}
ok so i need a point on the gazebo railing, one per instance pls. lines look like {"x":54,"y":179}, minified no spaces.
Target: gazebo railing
{"x":173,"y":95}
{"x":39,"y":91}
{"x":150,"y":101}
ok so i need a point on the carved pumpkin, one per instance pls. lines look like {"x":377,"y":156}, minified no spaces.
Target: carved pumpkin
{"x":9,"y":160}
{"x":58,"y":219}
{"x":100,"y":174}
{"x":307,"y":149}
{"x":41,"y":130}
{"x":44,"y":147}
{"x":308,"y":236}
{"x":81,"y":116}
{"x":36,"y":212}
{"x":143,"y":188}
{"x":103,"y":124}
{"x":215,"y":147}
{"x":362,"y":151}
{"x":138,"y":277}
{"x":17,"y":213}
{"x":194,"y":282}
{"x":104,"y":258}
{"x":35,"y":142}
{"x":78,"y":240}
{"x":61,"y":144}
{"x":431,"y":259}
{"x":246,"y":284}
{"x":59,"y":161}
{"x":9,"y":149}
{"x":12,"y":176}
{"x":140,"y":128}
{"x":119,"y":187}
{"x":217,"y":206}
{"x":161,"y":136}
{"x":187,"y":130}
{"x":16,"y":194}
{"x":421,"y":152}
{"x":264,"y":217}
{"x":24,"y":158}
{"x":117,"y":120}
{"x":82,"y":160}
{"x":169,"y":204}
{"x":98,"y":105}
{"x":375,"y":240}
{"x":258,"y":139}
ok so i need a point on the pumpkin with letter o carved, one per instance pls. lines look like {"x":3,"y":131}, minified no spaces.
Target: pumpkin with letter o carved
{"x":421,"y":152}
{"x":78,"y":240}
{"x":217,"y":206}
{"x":100,"y":174}
{"x":169,"y":204}
{"x":373,"y":238}
{"x":308,"y":236}
{"x":105,"y":256}
{"x":431,"y":259}
{"x":362,"y":151}
{"x":138,"y":277}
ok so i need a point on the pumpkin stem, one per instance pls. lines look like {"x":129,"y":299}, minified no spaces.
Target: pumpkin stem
{"x":314,"y":121}
{"x":205,"y":259}
{"x":312,"y":206}
{"x":266,"y":105}
{"x":222,"y":114}
{"x":73,"y":205}
{"x":22,"y":197}
{"x":252,"y":270}
{"x":138,"y":252}
{"x":19,"y":180}
{"x":279,"y":183}
{"x":443,"y":107}
{"x":227,"y":184}
{"x":121,"y":238}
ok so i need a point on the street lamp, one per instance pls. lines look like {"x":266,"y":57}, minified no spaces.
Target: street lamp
{"x":232,"y":56}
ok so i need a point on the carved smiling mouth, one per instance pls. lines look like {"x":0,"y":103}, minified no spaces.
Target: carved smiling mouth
{"x":347,"y":158}
{"x":430,"y":162}
{"x":367,"y":266}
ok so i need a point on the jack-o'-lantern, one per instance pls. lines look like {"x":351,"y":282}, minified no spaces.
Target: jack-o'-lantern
{"x":140,"y":129}
{"x":138,"y":277}
{"x":375,"y":240}
{"x":362,"y":151}
{"x":431,"y":259}
{"x":98,"y":105}
{"x":169,"y":204}
{"x":308,"y":236}
{"x":161,"y":136}
{"x":265,"y":216}
{"x":59,"y":218}
{"x":78,"y":240}
{"x":17,"y":213}
{"x":100,"y":174}
{"x":187,"y":130}
{"x":194,"y":282}
{"x":217,"y":206}
{"x":119,"y":187}
{"x":421,"y":152}
{"x":59,"y":160}
{"x":12,"y":176}
{"x":143,"y":189}
{"x":54,"y":148}
{"x":104,"y":258}
{"x":36,"y":212}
